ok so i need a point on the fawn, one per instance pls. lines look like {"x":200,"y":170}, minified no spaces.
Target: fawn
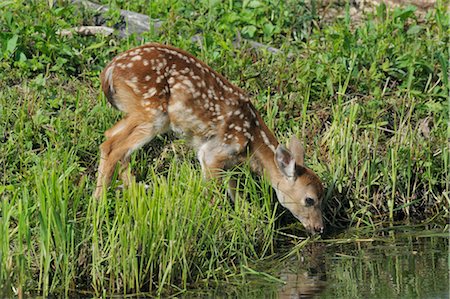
{"x":163,"y":88}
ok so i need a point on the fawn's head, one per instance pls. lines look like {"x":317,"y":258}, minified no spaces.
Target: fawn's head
{"x":299,"y":190}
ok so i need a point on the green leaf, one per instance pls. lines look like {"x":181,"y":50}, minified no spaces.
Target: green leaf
{"x":95,"y":46}
{"x":5,"y":3}
{"x":39,"y":80}
{"x":405,"y":13}
{"x":12,"y":43}
{"x":22,"y":57}
{"x":444,"y":66}
{"x":214,"y":3}
{"x":254,"y":4}
{"x":4,"y":188}
{"x":414,"y":29}
{"x":249,"y":31}
{"x":268,"y":28}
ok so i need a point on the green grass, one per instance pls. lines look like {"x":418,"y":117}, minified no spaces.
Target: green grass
{"x":369,"y":100}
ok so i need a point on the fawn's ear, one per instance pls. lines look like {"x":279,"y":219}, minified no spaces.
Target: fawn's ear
{"x":285,"y":162}
{"x":296,"y":148}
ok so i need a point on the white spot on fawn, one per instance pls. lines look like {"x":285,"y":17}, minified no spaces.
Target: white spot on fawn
{"x":109,"y":78}
{"x":150,"y":92}
{"x":266,"y":140}
{"x":249,"y":136}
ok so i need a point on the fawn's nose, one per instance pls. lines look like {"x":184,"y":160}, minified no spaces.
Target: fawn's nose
{"x":319,"y":229}
{"x":316,"y":229}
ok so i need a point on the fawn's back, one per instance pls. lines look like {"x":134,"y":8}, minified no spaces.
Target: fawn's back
{"x":173,"y":88}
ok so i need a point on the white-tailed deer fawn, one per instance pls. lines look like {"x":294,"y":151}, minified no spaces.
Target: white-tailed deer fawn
{"x":160,"y":88}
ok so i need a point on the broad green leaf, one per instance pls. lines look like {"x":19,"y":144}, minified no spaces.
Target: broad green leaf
{"x":12,"y":43}
{"x":414,"y":29}
{"x":249,"y":31}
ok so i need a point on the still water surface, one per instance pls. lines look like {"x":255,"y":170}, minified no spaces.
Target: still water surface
{"x":392,"y":266}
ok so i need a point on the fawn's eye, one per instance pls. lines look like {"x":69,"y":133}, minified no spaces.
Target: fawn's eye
{"x":309,"y":201}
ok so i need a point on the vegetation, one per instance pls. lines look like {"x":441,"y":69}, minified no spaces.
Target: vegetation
{"x":369,"y":99}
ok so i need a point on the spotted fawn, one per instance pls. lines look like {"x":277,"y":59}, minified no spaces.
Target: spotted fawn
{"x":162,"y":88}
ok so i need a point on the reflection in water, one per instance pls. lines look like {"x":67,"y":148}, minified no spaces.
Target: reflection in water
{"x":304,"y":276}
{"x":407,"y":267}
{"x":300,"y":285}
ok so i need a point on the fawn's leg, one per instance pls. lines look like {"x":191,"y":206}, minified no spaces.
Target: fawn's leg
{"x":214,"y":159}
{"x":125,"y":137}
{"x":125,"y":176}
{"x":232,"y":189}
{"x":119,"y":127}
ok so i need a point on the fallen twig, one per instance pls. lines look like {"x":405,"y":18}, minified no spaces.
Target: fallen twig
{"x":87,"y":31}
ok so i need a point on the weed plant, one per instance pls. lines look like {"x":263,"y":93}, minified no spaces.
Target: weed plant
{"x":370,"y":101}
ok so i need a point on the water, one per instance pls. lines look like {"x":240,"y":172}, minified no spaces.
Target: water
{"x":392,"y":266}
{"x":395,"y":265}
{"x":406,"y":268}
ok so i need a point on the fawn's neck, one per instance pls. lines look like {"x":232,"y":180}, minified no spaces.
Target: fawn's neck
{"x":263,"y":150}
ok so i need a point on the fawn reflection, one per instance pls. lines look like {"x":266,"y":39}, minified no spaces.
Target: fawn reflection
{"x":305,"y":274}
